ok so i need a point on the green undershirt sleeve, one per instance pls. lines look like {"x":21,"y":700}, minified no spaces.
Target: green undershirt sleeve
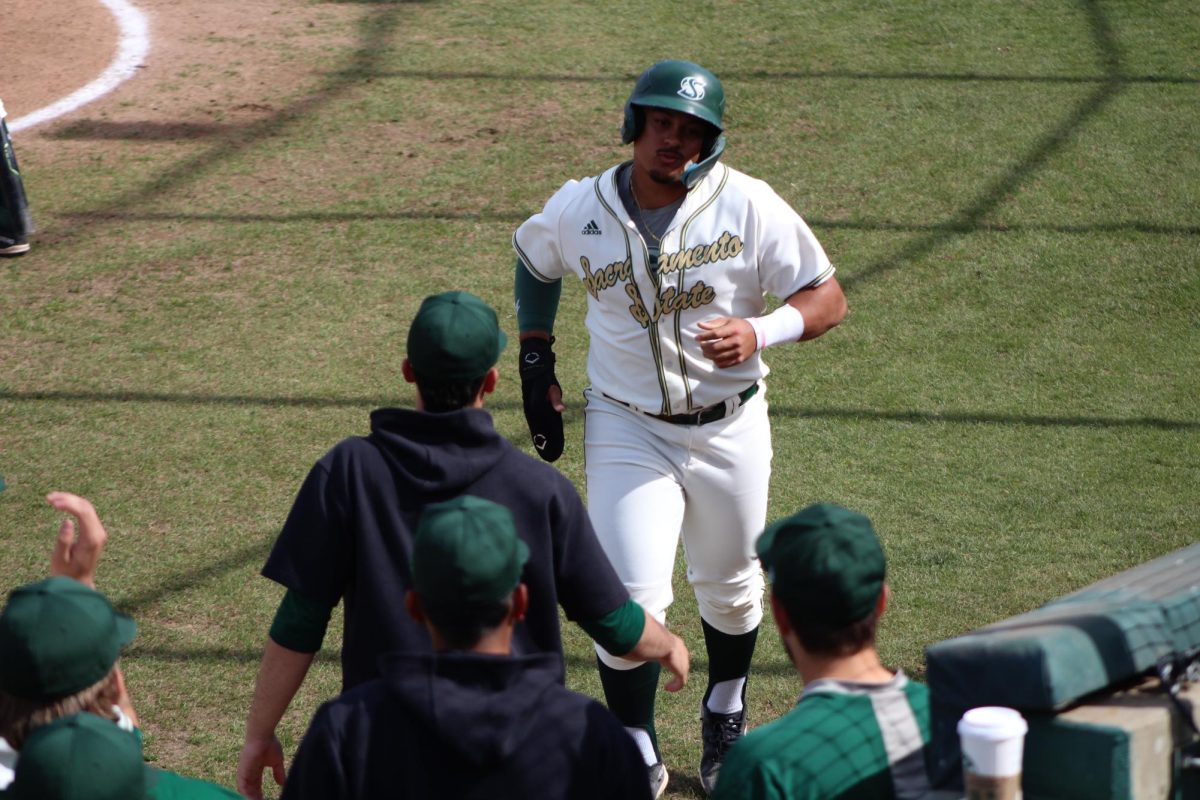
{"x":537,"y":302}
{"x":300,"y":623}
{"x":619,"y":630}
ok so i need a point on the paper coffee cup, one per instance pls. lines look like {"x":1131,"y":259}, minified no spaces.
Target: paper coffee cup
{"x":992,"y":739}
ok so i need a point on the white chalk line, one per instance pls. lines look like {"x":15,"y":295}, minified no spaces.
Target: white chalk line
{"x":133,"y":45}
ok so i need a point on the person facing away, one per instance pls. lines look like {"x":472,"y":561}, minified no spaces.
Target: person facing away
{"x":676,"y":251}
{"x":60,"y":646}
{"x":15,"y":223}
{"x":471,"y":719}
{"x":349,"y":534}
{"x":859,"y":731}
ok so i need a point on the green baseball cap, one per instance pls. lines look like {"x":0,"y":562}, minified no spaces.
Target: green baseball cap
{"x":826,"y":560}
{"x":455,"y":336}
{"x":80,"y":757}
{"x":58,"y":637}
{"x":466,"y":554}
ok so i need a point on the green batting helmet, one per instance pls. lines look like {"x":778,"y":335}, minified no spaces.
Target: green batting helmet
{"x":680,"y":86}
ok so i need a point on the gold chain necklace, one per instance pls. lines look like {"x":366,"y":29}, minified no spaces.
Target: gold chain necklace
{"x":645,"y":226}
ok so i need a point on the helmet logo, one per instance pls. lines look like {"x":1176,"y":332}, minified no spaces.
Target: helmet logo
{"x":691,"y":88}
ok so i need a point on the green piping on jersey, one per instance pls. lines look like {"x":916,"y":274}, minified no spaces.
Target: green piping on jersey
{"x":683,"y":231}
{"x":651,"y":323}
{"x":817,"y":281}
{"x":529,"y":262}
{"x":683,"y":373}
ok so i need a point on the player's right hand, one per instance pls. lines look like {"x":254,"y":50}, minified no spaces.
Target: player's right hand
{"x":257,"y":755}
{"x":542,"y":397}
{"x":727,"y":341}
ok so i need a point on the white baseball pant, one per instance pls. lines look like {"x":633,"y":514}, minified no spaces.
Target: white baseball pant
{"x":651,"y":483}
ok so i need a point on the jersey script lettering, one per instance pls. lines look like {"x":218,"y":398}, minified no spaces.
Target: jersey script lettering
{"x":606,"y":278}
{"x":671,"y":300}
{"x":728,"y":246}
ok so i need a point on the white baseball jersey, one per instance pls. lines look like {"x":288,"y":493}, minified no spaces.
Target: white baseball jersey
{"x":733,"y":240}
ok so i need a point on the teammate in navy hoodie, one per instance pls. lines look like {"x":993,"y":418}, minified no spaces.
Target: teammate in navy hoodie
{"x":349,"y":534}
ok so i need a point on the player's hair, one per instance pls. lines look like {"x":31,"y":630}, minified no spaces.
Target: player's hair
{"x":442,"y":396}
{"x":463,"y":626}
{"x":19,"y":716}
{"x":819,"y":638}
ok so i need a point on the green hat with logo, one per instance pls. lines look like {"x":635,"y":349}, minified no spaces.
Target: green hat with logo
{"x":826,"y":560}
{"x":466,"y":554}
{"x":455,"y":336}
{"x":80,"y":757}
{"x":58,"y":637}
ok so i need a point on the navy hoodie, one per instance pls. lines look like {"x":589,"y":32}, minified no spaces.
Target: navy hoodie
{"x":349,"y":533}
{"x":464,"y":726}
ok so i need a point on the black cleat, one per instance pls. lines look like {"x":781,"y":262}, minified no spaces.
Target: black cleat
{"x":719,"y":732}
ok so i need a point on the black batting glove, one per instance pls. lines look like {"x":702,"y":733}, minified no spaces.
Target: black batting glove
{"x":537,"y":376}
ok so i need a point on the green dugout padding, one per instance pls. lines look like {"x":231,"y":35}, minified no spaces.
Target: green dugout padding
{"x":1084,"y":644}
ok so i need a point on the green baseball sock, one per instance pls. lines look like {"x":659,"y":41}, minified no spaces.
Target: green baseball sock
{"x":729,"y":658}
{"x":630,"y":695}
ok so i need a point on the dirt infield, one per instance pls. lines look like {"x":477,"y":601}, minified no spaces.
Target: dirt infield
{"x":52,"y":49}
{"x":210,"y":65}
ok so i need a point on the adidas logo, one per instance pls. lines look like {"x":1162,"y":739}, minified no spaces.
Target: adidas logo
{"x":591,"y":229}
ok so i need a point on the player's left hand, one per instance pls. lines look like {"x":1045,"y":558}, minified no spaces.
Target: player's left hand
{"x":727,"y":341}
{"x":77,"y":557}
{"x":541,"y":397}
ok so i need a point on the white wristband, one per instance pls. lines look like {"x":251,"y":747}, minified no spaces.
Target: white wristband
{"x":784,"y":324}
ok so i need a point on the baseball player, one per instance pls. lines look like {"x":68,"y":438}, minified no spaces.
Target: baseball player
{"x":15,"y":222}
{"x":675,"y":251}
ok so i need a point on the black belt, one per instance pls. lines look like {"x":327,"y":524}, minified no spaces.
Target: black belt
{"x":705,"y":415}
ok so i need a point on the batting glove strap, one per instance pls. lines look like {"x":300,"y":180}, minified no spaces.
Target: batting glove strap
{"x":537,"y":376}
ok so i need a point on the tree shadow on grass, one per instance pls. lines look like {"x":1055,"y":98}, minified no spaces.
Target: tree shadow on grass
{"x":249,"y":556}
{"x":248,"y":655}
{"x":989,"y":199}
{"x":375,"y":32}
{"x":516,"y":216}
{"x":778,"y":409}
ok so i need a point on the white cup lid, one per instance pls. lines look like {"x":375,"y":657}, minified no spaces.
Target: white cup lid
{"x":992,"y":722}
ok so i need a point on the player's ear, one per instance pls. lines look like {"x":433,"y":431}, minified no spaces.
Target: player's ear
{"x":520,"y":602}
{"x":489,"y":382}
{"x":412,"y":604}
{"x":780,"y":615}
{"x":407,"y":370}
{"x":882,"y":604}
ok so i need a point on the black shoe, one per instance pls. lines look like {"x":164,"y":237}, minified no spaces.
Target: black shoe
{"x":719,"y":732}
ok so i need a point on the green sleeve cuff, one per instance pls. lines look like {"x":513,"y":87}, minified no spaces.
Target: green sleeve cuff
{"x":300,"y":623}
{"x":619,"y":630}
{"x":537,"y":302}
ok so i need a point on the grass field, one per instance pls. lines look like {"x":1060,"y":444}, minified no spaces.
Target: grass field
{"x":1010,"y":191}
